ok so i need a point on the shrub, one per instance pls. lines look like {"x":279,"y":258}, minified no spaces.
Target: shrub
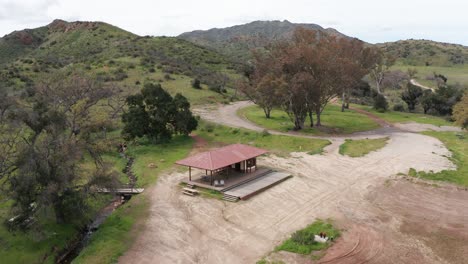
{"x":380,"y":103}
{"x":196,"y":83}
{"x":209,"y":128}
{"x":303,"y":237}
{"x":399,"y":107}
{"x":265,"y":133}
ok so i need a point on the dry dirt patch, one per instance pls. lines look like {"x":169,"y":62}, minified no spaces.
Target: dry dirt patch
{"x":184,"y":229}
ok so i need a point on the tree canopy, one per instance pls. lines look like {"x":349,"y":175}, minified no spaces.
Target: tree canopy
{"x":48,"y":136}
{"x":302,"y":75}
{"x":156,"y":114}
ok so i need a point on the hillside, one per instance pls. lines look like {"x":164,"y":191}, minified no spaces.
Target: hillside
{"x":111,"y":53}
{"x":237,"y":41}
{"x":427,"y":53}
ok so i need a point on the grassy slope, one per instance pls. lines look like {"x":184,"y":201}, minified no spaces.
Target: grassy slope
{"x":338,"y":122}
{"x":362,"y":147}
{"x":315,"y":228}
{"x":457,"y":143}
{"x":274,"y":143}
{"x":455,"y":74}
{"x":403,"y":117}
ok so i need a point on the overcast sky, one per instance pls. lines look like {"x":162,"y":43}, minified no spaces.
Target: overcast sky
{"x":370,"y":20}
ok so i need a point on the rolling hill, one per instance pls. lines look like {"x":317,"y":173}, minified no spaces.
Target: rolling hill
{"x":113,"y":55}
{"x":427,"y":52}
{"x":237,"y":41}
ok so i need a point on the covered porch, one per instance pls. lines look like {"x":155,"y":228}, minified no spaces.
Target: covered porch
{"x":235,"y":178}
{"x":220,"y":168}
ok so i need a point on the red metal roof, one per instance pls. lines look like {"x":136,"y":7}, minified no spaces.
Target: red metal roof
{"x":222,"y":157}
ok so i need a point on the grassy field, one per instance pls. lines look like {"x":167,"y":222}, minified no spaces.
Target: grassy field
{"x":457,"y":143}
{"x":404,"y":117}
{"x":274,"y":143}
{"x":292,"y":245}
{"x":118,"y":232}
{"x":333,"y":120}
{"x":455,"y":74}
{"x":362,"y":147}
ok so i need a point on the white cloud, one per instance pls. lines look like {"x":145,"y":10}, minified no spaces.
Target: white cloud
{"x":373,"y":21}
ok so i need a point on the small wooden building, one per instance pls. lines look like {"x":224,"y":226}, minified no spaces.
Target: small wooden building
{"x":224,"y":161}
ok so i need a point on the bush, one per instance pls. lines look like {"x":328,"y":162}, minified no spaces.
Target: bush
{"x":399,"y":107}
{"x":303,"y":237}
{"x":265,"y":133}
{"x":196,"y":83}
{"x":380,"y":103}
{"x":209,"y":128}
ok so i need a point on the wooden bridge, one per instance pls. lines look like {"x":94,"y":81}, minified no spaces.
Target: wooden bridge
{"x":121,"y":190}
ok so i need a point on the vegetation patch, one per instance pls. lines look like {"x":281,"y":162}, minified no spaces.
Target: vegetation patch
{"x":303,"y":241}
{"x":401,"y":117}
{"x":362,"y":147}
{"x":333,"y":120}
{"x":117,"y":233}
{"x":275,"y":143}
{"x":457,"y":143}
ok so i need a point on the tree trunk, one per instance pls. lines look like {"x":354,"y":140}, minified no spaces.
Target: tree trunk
{"x":378,"y":87}
{"x":298,"y":122}
{"x":267,"y":111}
{"x":343,"y":102}
{"x":58,"y":210}
{"x":317,"y":112}
{"x":311,"y":119}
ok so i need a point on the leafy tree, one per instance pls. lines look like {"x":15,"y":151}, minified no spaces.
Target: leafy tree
{"x":380,"y":103}
{"x":56,"y":131}
{"x":427,"y":100}
{"x":460,"y":111}
{"x":155,"y":114}
{"x":184,"y":121}
{"x":411,"y":95}
{"x":263,"y":91}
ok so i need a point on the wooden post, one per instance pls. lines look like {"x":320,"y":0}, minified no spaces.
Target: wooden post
{"x":190,"y":173}
{"x":211,"y":177}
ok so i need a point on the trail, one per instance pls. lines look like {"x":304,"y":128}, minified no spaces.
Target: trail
{"x":414,"y":82}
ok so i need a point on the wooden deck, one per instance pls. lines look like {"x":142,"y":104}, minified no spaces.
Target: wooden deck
{"x":248,"y":189}
{"x":234,"y":179}
{"x":121,"y":190}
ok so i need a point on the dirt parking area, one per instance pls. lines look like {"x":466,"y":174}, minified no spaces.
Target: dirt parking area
{"x":386,"y":218}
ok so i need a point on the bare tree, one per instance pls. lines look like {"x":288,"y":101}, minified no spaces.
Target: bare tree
{"x":382,"y":63}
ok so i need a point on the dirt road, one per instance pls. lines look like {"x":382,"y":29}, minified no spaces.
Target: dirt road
{"x":387,"y":218}
{"x":414,"y":82}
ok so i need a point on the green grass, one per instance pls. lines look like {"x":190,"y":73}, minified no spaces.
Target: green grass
{"x":118,"y":232}
{"x":404,"y":117}
{"x":39,"y":244}
{"x":332,"y":118}
{"x":274,"y":143}
{"x":362,"y":147}
{"x":315,"y":228}
{"x":455,"y":74}
{"x":457,"y":143}
{"x":163,"y":155}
